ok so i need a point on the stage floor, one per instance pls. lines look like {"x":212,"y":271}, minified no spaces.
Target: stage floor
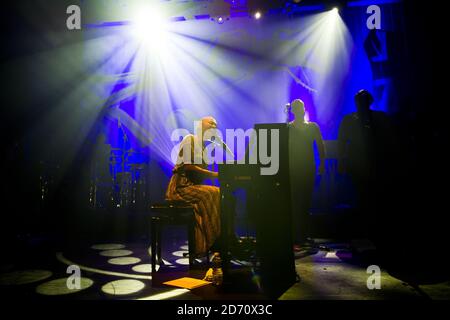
{"x":118,"y":270}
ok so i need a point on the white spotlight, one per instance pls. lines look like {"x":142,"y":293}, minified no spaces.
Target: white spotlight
{"x":335,"y":10}
{"x":148,"y":25}
{"x":257,"y":15}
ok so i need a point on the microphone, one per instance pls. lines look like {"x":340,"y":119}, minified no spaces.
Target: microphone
{"x":222,"y":143}
{"x":287,"y":108}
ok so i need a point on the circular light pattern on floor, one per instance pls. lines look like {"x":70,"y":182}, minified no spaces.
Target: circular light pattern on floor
{"x":59,"y":287}
{"x":108,"y":246}
{"x":186,"y":247}
{"x":182,"y":261}
{"x":116,"y":253}
{"x":123,"y":261}
{"x":178,"y":253}
{"x":123,"y":287}
{"x":144,"y":268}
{"x":23,"y":277}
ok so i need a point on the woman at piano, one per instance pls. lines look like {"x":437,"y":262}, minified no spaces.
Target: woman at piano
{"x":186,"y":185}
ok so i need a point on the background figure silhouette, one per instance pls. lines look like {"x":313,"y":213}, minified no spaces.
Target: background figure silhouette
{"x":302,"y":166}
{"x":366,"y":152}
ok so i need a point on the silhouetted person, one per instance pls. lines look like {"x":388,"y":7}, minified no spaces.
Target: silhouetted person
{"x":366,"y":145}
{"x":302,"y":166}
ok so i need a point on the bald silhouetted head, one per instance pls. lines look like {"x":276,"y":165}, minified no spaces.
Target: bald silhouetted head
{"x":298,"y":109}
{"x":363,"y":100}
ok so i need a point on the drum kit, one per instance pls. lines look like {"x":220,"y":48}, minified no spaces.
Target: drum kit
{"x":127,"y":185}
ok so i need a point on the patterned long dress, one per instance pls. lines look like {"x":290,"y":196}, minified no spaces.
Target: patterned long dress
{"x":186,"y":186}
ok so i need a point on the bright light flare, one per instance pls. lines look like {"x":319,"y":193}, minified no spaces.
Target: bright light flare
{"x":257,"y":15}
{"x":149,"y":26}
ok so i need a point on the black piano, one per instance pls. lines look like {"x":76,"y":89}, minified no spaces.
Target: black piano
{"x":268,"y":202}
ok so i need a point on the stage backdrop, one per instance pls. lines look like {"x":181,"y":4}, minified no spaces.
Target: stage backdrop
{"x":239,"y":69}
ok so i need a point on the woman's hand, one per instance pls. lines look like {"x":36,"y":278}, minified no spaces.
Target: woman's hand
{"x":205,"y":172}
{"x":214,"y":174}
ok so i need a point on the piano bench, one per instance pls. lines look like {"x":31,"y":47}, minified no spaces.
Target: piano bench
{"x":166,"y":214}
